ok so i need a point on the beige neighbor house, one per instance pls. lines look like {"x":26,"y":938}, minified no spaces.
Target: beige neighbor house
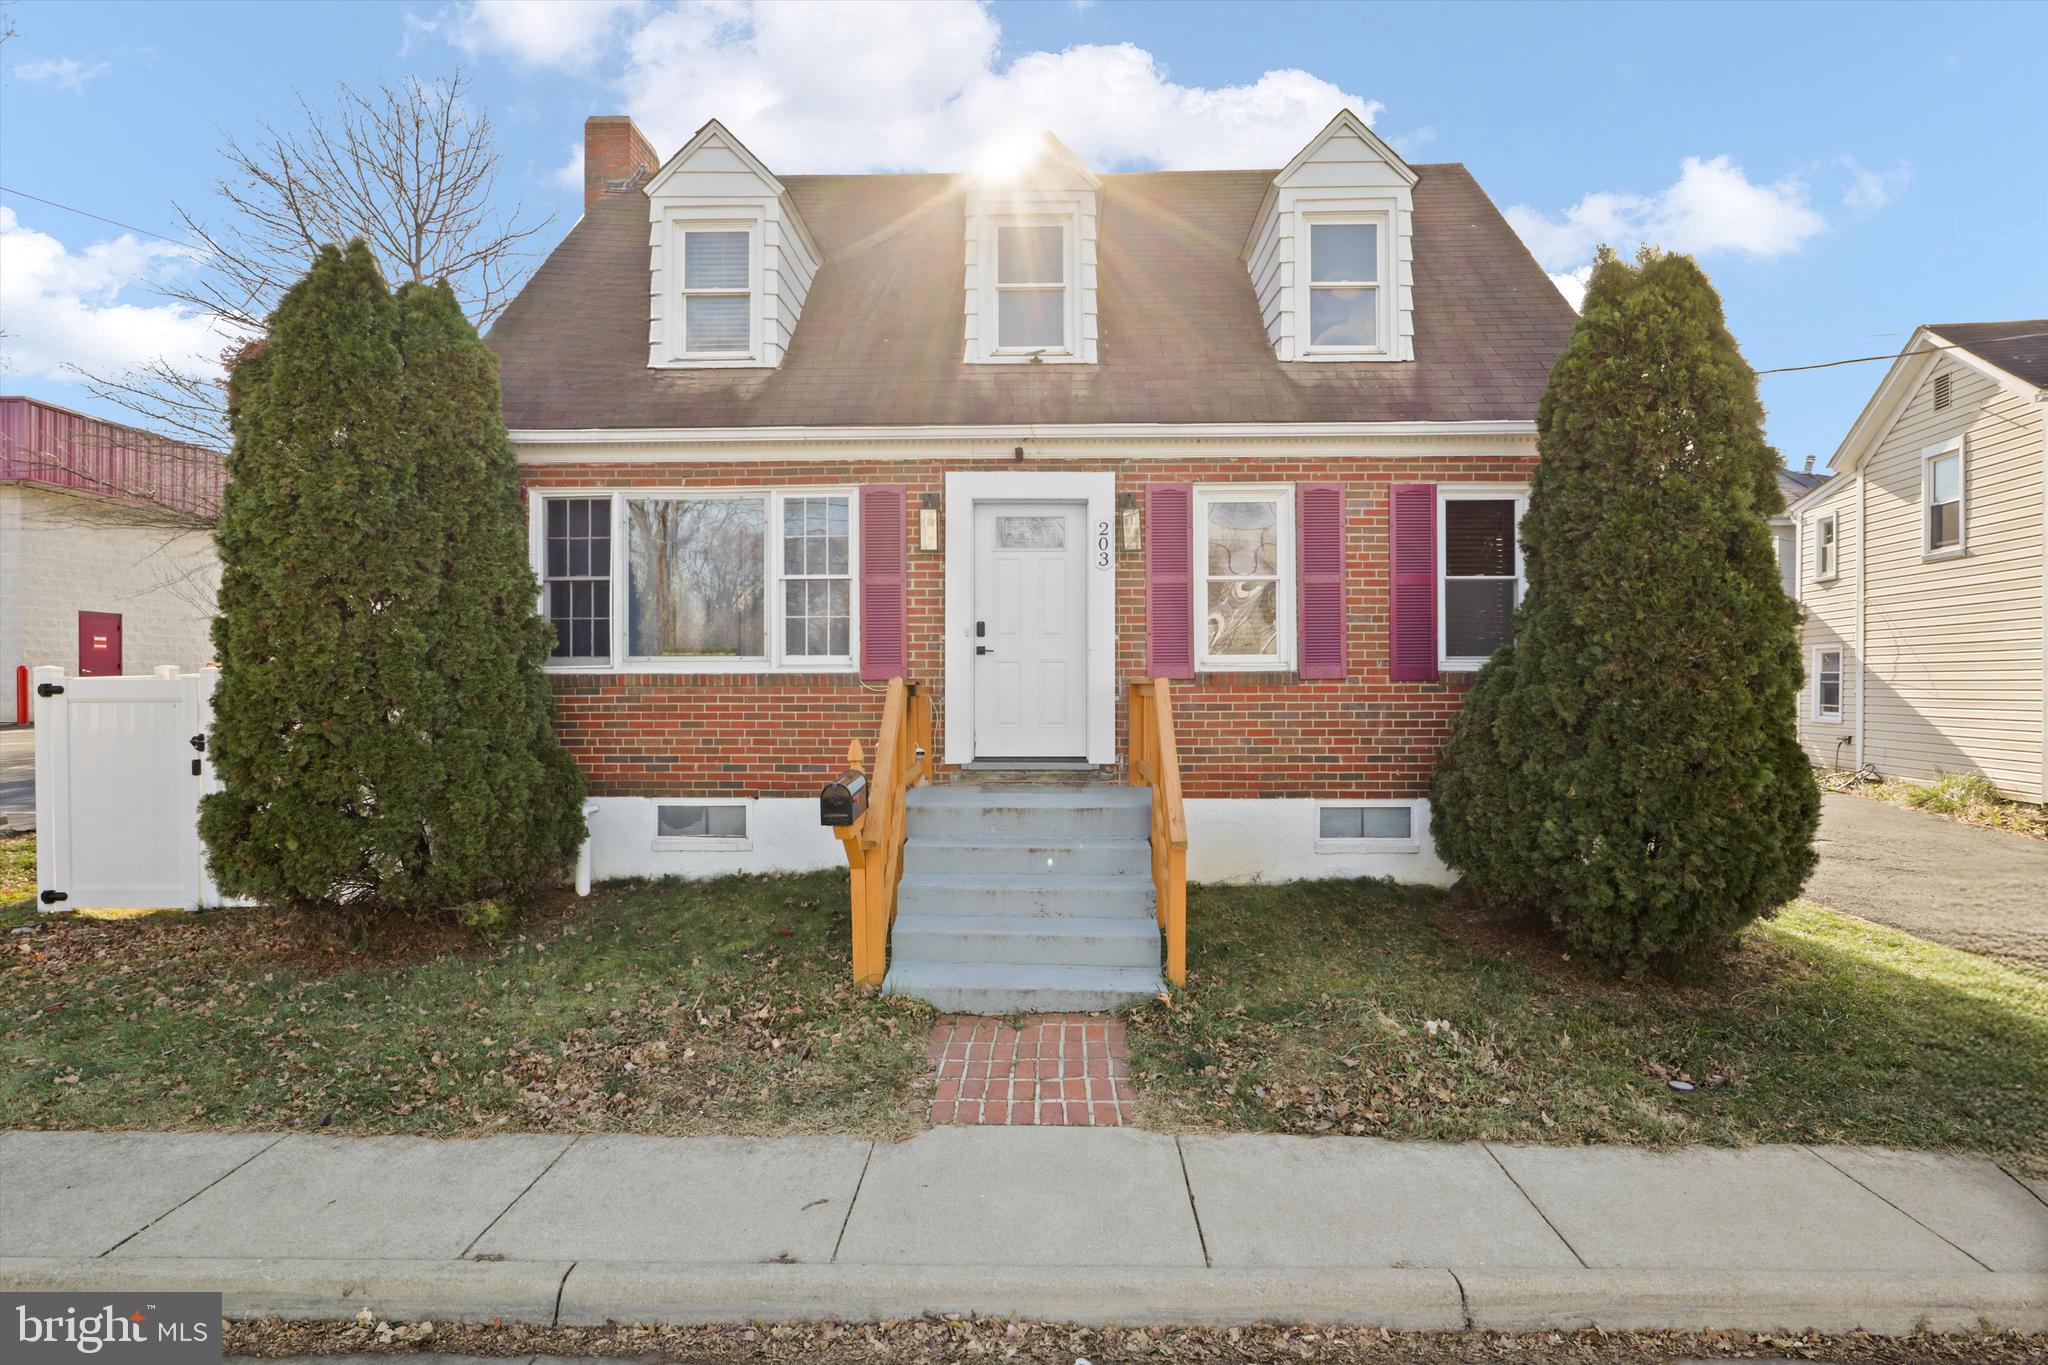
{"x":1922,"y":572}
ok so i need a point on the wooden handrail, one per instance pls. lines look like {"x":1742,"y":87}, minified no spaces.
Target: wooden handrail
{"x":1154,"y":761}
{"x":874,"y":842}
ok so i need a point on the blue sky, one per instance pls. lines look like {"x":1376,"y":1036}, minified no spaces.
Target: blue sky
{"x":1843,"y":172}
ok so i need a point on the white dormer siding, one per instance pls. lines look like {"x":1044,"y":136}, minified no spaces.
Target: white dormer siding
{"x":1037,"y":303}
{"x":1352,"y":184}
{"x":750,"y":245}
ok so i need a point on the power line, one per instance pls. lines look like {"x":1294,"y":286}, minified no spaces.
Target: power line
{"x":1866,"y":359}
{"x":97,"y":217}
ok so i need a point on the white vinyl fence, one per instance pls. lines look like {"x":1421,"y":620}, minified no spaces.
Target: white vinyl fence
{"x":120,"y":766}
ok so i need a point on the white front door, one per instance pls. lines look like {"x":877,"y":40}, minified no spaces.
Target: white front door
{"x":1030,"y":630}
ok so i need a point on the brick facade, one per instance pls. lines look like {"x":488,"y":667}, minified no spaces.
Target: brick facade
{"x":1241,"y":734}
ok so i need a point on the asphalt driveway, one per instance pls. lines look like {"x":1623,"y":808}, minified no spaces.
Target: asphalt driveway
{"x":1980,"y":889}
{"x":17,"y":777}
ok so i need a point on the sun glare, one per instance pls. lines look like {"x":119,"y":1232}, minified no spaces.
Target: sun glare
{"x":1006,"y":157}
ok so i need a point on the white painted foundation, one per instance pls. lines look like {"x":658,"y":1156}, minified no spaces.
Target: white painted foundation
{"x":1274,"y":840}
{"x":783,"y":835}
{"x":1228,"y":841}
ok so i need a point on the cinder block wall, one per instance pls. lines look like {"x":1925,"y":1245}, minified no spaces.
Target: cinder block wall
{"x":61,"y":554}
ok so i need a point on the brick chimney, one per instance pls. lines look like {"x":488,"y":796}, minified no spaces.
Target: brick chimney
{"x":614,"y":154}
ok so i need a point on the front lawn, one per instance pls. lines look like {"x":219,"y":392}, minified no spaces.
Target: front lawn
{"x":1360,"y":1007}
{"x":726,"y":1007}
{"x":722,"y":1007}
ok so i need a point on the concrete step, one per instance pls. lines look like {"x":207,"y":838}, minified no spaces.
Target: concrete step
{"x":1024,"y":894}
{"x":1018,"y":940}
{"x":971,"y":988}
{"x":1079,"y":857}
{"x":1049,"y":814}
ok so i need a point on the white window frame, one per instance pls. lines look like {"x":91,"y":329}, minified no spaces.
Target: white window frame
{"x":1411,"y":844}
{"x":1287,"y":569}
{"x":700,"y":843}
{"x":1474,"y":492}
{"x":1828,"y":545}
{"x":1820,"y":652}
{"x":1385,"y":289}
{"x":1929,"y":457}
{"x":776,"y":659}
{"x":1070,"y":312}
{"x":680,"y":294}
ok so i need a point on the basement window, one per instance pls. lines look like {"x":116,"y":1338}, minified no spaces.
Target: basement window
{"x":1366,"y":827}
{"x":706,"y":825}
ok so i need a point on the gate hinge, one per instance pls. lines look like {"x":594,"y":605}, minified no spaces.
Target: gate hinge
{"x":52,"y":897}
{"x":49,"y":689}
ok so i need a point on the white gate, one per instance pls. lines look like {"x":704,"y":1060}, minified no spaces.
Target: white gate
{"x":120,"y":768}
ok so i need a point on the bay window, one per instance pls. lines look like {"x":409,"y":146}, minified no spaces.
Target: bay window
{"x":1479,"y":559}
{"x":1244,"y":560}
{"x":713,"y":580}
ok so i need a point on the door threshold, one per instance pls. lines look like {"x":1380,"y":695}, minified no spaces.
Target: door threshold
{"x":1008,"y":765}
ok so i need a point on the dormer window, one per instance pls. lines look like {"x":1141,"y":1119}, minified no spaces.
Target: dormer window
{"x":1344,"y":285}
{"x":1031,"y":287}
{"x":718,"y":294}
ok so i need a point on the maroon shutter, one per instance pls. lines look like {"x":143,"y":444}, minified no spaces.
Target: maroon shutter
{"x":1411,"y":653}
{"x":1319,"y":545}
{"x":884,"y":590}
{"x":1169,"y":580}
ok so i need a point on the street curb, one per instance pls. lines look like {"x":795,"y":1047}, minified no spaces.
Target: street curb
{"x":403,"y":1291}
{"x":1882,"y":1302}
{"x":592,"y":1293}
{"x":1402,"y":1300}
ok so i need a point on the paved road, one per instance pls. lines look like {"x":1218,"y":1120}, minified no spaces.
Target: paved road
{"x":1980,"y":889}
{"x":17,"y":777}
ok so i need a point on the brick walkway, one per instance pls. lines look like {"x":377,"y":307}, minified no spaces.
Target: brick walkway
{"x":1065,"y":1069}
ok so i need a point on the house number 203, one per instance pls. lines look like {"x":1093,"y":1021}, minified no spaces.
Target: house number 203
{"x":1101,"y":544}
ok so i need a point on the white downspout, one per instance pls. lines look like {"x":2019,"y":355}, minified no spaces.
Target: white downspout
{"x":583,"y":853}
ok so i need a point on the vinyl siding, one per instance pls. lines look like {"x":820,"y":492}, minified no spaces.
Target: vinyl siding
{"x":1830,"y":621}
{"x":1954,"y":646}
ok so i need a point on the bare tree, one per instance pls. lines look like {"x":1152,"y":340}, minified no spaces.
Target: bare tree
{"x":410,"y":168}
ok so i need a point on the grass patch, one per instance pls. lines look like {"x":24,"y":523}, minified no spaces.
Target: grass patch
{"x":1968,"y":797}
{"x":17,"y":870}
{"x":1363,"y":1007}
{"x":678,"y":1007}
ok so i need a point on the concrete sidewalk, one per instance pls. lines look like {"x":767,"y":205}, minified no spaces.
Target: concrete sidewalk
{"x":1096,"y":1226}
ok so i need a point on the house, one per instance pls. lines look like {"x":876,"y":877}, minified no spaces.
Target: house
{"x":1793,"y":484}
{"x":1921,"y":567}
{"x":106,"y":549}
{"x":1021,"y":437}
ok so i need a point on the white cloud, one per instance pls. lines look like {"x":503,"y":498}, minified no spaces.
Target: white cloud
{"x":1712,"y":206}
{"x":569,"y":175}
{"x":61,"y":308}
{"x":1572,"y":284}
{"x":1871,"y":190}
{"x":66,"y":73}
{"x":902,"y":86}
{"x":562,"y":33}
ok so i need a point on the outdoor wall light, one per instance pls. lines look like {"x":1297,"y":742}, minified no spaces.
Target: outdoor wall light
{"x":1127,"y":519}
{"x":928,"y":522}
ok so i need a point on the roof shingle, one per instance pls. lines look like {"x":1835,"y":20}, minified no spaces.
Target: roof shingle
{"x":881,"y":337}
{"x":2019,"y":348}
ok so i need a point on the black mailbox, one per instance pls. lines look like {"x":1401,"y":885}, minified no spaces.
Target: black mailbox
{"x":843,"y":801}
